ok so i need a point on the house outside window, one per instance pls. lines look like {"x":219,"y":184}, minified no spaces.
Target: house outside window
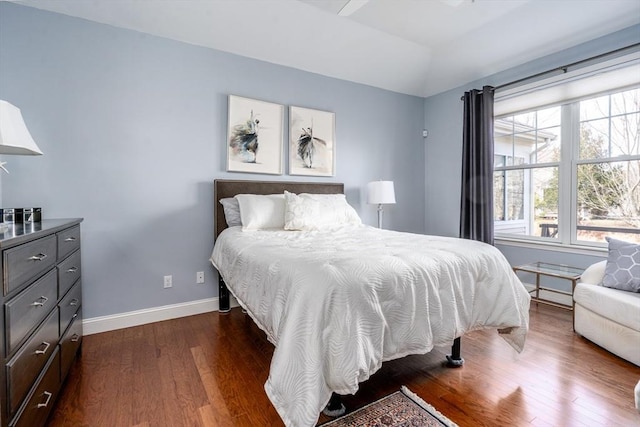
{"x":570,"y":173}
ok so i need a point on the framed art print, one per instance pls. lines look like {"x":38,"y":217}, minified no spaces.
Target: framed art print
{"x":254,"y":136}
{"x":312,"y":146}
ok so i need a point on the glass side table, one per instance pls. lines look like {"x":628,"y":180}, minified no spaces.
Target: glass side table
{"x":552,"y":270}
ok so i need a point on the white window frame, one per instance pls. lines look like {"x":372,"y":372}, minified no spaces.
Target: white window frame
{"x":567,"y":176}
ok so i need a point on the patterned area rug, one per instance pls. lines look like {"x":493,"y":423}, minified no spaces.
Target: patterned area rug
{"x":402,"y":408}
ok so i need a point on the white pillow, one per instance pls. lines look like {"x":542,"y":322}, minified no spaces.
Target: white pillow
{"x":231,"y":211}
{"x":318,"y":211}
{"x":260,"y":212}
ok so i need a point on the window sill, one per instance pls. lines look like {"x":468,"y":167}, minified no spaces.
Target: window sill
{"x":552,"y":246}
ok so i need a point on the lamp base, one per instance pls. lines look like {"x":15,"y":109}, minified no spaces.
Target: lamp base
{"x":379,"y":215}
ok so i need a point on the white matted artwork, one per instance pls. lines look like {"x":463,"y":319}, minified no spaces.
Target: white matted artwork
{"x":312,"y":145}
{"x":254,"y":136}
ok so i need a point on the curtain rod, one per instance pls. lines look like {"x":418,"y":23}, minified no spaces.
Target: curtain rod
{"x":564,"y":68}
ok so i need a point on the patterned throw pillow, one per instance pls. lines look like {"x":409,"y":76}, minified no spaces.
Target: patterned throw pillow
{"x":623,"y":266}
{"x":308,"y":212}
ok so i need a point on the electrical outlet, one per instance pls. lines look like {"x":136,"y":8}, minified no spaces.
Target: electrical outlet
{"x":168,"y":281}
{"x":200,"y":277}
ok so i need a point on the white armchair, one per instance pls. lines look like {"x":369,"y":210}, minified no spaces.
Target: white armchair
{"x":608,"y":317}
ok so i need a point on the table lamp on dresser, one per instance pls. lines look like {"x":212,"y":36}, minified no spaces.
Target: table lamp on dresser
{"x":14,"y":137}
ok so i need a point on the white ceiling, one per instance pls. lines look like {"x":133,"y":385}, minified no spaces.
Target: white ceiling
{"x":418,"y":47}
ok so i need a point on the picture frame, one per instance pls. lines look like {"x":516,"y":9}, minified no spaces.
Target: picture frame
{"x":312,"y":145}
{"x":255,"y":140}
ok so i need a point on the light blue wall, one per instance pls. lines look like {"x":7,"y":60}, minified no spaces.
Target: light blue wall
{"x":133,"y":128}
{"x":443,"y":119}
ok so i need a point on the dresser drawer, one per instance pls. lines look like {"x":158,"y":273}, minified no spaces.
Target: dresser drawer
{"x":68,"y":273}
{"x":27,"y":261}
{"x":68,"y":241}
{"x":70,"y":305}
{"x":27,"y":309}
{"x":39,"y":405}
{"x":69,"y":344}
{"x":26,"y":365}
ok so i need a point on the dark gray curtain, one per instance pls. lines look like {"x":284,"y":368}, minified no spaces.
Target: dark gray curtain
{"x":476,"y":214}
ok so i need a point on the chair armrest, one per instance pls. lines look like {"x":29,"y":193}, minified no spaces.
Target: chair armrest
{"x":594,"y":273}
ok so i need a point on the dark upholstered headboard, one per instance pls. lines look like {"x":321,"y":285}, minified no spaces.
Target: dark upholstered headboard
{"x":229,"y":188}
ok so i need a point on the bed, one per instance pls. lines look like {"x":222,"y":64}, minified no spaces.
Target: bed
{"x":339,"y":301}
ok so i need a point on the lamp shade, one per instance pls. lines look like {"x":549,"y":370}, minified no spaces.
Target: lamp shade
{"x":381,"y":192}
{"x":14,"y":135}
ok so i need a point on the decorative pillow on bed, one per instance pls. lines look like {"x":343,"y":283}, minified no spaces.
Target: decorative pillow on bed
{"x":623,"y":266}
{"x":231,"y":211}
{"x":317,"y":211}
{"x":259,"y":212}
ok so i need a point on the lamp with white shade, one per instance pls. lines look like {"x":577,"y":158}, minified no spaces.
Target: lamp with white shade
{"x":14,"y":135}
{"x":380,"y":193}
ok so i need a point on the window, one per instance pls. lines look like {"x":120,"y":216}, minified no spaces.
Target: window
{"x":570,"y":173}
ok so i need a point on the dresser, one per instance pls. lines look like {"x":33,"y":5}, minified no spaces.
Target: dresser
{"x":41,"y":320}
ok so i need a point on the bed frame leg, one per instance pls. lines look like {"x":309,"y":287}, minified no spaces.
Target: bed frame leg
{"x":223,"y":296}
{"x":335,"y":407}
{"x":455,"y":360}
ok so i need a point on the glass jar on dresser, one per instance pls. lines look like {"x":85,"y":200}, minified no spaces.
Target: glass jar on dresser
{"x":41,"y":322}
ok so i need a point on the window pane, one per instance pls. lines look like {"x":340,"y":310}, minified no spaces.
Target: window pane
{"x":549,"y":145}
{"x":609,"y":201}
{"x":515,"y":195}
{"x":503,"y":146}
{"x":594,"y":139}
{"x":625,"y":135}
{"x":526,"y":119}
{"x":503,"y":126}
{"x":625,"y":102}
{"x":549,"y":117}
{"x":595,"y":108}
{"x":545,"y":199}
{"x":524,"y":148}
{"x":516,"y":161}
{"x":526,"y":202}
{"x":521,"y":139}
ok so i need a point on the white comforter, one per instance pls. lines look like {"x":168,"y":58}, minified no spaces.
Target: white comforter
{"x":336,"y":304}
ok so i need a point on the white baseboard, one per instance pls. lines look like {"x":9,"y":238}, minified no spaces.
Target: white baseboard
{"x":95,"y":325}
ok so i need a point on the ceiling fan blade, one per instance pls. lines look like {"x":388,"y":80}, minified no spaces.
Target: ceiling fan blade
{"x":351,"y":6}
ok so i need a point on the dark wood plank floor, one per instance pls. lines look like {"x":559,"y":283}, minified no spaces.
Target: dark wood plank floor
{"x":209,"y":370}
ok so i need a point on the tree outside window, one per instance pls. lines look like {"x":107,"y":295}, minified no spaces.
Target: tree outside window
{"x":608,"y":171}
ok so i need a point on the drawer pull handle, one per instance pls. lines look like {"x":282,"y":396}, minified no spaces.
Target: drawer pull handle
{"x":73,"y":302}
{"x":75,"y":338}
{"x":46,"y":347}
{"x":44,"y":405}
{"x":38,"y":257}
{"x":72,"y":270}
{"x":40,"y":302}
{"x":70,"y":239}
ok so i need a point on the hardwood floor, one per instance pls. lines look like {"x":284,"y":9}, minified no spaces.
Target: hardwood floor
{"x":209,"y":370}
